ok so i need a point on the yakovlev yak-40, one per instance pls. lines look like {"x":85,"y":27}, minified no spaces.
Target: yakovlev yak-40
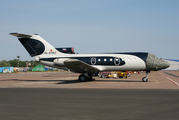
{"x":89,"y":64}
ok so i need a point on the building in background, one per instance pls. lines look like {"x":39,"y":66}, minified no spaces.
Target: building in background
{"x":174,"y":64}
{"x":38,"y":68}
{"x":6,"y":69}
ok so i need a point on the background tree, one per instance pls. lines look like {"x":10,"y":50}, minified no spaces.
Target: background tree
{"x":33,"y":63}
{"x":13,"y":63}
{"x":4,"y":63}
{"x":22,"y":63}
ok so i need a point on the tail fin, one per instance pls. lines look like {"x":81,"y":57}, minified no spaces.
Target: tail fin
{"x":35,"y":45}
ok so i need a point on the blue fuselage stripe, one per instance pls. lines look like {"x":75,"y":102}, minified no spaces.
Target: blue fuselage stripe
{"x":106,"y":61}
{"x":103,"y":60}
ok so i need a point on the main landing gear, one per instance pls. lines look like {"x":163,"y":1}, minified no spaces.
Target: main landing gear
{"x":145,"y":79}
{"x":84,"y":77}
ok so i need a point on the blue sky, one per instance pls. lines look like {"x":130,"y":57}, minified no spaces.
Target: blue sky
{"x":92,"y":26}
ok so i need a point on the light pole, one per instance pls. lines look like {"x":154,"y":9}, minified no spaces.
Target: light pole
{"x":18,"y":61}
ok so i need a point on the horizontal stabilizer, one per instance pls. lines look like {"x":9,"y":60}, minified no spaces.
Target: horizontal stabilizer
{"x":21,"y":35}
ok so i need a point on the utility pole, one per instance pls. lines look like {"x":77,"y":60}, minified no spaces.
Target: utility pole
{"x":18,"y":61}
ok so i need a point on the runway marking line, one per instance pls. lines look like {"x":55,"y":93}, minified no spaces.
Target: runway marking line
{"x":170,"y":80}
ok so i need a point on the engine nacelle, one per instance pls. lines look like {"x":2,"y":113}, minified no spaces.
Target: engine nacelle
{"x":60,"y":61}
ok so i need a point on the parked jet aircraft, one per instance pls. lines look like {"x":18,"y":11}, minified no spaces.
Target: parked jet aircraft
{"x":89,"y":64}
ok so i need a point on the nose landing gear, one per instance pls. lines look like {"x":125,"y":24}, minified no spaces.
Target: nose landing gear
{"x":145,"y":79}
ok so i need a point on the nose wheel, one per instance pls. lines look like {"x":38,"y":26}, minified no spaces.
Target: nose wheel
{"x":145,"y":79}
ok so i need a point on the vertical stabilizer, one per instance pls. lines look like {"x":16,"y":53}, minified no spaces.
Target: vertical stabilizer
{"x":35,"y":45}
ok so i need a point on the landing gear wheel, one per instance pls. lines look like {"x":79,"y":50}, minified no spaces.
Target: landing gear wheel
{"x":144,"y":79}
{"x":82,"y":78}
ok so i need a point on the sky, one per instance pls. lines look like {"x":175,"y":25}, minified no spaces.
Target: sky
{"x":92,"y":26}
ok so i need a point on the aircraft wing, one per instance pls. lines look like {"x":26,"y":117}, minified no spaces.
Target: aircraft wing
{"x":80,"y":66}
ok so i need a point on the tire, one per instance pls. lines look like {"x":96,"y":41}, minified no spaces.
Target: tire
{"x":82,"y":78}
{"x":144,"y":79}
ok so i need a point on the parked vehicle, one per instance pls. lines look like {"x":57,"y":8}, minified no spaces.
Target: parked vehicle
{"x":105,"y":74}
{"x":109,"y":74}
{"x":122,"y":74}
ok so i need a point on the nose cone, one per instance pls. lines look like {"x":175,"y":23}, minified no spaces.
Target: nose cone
{"x":154,"y":63}
{"x":163,"y":64}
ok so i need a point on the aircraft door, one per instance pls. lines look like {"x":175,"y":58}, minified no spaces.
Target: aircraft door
{"x":93,"y":61}
{"x":116,"y":61}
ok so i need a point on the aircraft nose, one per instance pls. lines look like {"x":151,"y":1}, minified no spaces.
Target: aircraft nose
{"x":154,"y":63}
{"x":163,"y":64}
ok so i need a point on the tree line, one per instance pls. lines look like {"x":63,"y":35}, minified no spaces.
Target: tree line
{"x":14,"y":63}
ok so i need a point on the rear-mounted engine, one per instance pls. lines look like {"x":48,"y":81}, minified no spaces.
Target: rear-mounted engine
{"x":60,"y":61}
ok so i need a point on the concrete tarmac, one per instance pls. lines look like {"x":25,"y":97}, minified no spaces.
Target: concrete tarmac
{"x":157,"y":80}
{"x":88,"y":104}
{"x":59,"y":95}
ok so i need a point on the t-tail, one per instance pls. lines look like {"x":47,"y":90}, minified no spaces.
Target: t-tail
{"x":36,"y":46}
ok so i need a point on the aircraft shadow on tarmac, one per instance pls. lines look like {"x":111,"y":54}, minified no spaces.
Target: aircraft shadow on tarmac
{"x":102,"y":80}
{"x":73,"y":81}
{"x":171,"y":74}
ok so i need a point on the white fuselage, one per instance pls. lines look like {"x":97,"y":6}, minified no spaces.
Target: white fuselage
{"x":107,"y":63}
